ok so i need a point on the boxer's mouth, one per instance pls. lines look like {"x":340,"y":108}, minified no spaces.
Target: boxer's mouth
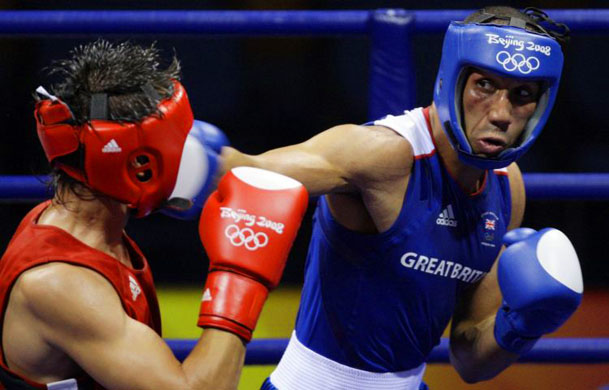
{"x":490,"y":146}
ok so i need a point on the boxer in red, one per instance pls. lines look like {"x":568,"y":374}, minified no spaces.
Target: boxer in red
{"x":79,"y":306}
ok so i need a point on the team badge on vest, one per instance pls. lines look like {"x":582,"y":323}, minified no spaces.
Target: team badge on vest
{"x":488,"y":221}
{"x":135,"y":288}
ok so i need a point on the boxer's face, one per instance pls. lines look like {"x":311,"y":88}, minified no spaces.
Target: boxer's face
{"x":496,"y":110}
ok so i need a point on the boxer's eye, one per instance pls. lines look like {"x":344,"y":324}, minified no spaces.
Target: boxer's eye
{"x":485,"y":85}
{"x":524,"y":94}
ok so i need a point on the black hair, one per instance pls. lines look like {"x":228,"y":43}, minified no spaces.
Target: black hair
{"x":119,"y":70}
{"x":531,"y":18}
{"x":130,"y":76}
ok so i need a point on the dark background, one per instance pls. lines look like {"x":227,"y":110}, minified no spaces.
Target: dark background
{"x":270,"y":92}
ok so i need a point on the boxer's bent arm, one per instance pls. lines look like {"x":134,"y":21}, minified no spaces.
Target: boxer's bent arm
{"x":345,"y":158}
{"x":473,"y":350}
{"x":80,"y":313}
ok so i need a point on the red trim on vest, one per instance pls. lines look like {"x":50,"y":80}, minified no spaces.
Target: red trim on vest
{"x":429,"y":128}
{"x":482,"y":187}
{"x":33,"y":245}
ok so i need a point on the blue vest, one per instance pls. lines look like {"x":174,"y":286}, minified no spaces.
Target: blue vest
{"x":381,"y":302}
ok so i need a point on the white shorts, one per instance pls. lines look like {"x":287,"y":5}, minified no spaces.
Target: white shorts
{"x":303,"y":369}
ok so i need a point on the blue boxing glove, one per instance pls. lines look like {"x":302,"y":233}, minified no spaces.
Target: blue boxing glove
{"x":212,"y":136}
{"x":198,"y":166}
{"x":541,"y":282}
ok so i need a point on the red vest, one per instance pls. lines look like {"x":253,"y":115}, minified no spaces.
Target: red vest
{"x":33,"y":245}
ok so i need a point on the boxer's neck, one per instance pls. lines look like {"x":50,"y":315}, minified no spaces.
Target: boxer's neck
{"x":97,"y":221}
{"x":469,"y":178}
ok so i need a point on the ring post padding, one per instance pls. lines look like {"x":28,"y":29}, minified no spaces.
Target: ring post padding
{"x":392,"y":86}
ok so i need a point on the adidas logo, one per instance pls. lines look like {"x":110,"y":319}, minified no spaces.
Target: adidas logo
{"x":111,"y":147}
{"x":206,"y":296}
{"x":447,"y":217}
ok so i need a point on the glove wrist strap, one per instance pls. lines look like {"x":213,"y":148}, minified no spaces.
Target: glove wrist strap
{"x":232,"y":302}
{"x":508,"y":338}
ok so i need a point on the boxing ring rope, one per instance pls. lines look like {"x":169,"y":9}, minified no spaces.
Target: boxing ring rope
{"x":546,"y":351}
{"x":538,"y":186}
{"x":251,"y":23}
{"x":391,"y":90}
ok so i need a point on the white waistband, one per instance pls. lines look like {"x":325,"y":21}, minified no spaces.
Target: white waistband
{"x":68,"y":384}
{"x":303,"y":369}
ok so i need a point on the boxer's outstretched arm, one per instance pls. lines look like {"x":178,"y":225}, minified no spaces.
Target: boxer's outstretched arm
{"x":473,"y":350}
{"x":78,"y":312}
{"x":344,"y":158}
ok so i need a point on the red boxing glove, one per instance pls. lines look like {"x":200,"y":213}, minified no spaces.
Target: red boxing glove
{"x":247,"y":227}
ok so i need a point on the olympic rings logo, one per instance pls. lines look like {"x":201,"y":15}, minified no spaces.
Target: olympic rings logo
{"x":525,"y":65}
{"x":246,"y":237}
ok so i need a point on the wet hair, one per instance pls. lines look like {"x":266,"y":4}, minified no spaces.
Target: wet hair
{"x":126,"y":73}
{"x":531,"y":18}
{"x":119,"y":70}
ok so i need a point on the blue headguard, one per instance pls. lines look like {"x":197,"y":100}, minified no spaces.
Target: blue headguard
{"x":508,"y":51}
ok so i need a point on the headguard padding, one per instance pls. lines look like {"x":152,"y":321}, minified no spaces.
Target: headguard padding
{"x":508,"y":51}
{"x":134,"y":163}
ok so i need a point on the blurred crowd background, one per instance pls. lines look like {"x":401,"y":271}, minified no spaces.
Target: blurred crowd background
{"x":274,"y":91}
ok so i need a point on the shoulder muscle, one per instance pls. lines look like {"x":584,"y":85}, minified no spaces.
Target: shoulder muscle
{"x":70,"y":299}
{"x":376,"y":154}
{"x":80,"y":313}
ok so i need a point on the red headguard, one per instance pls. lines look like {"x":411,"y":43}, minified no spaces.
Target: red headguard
{"x":135,"y":163}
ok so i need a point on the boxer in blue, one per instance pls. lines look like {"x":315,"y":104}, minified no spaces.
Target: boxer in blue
{"x":419,"y":222}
